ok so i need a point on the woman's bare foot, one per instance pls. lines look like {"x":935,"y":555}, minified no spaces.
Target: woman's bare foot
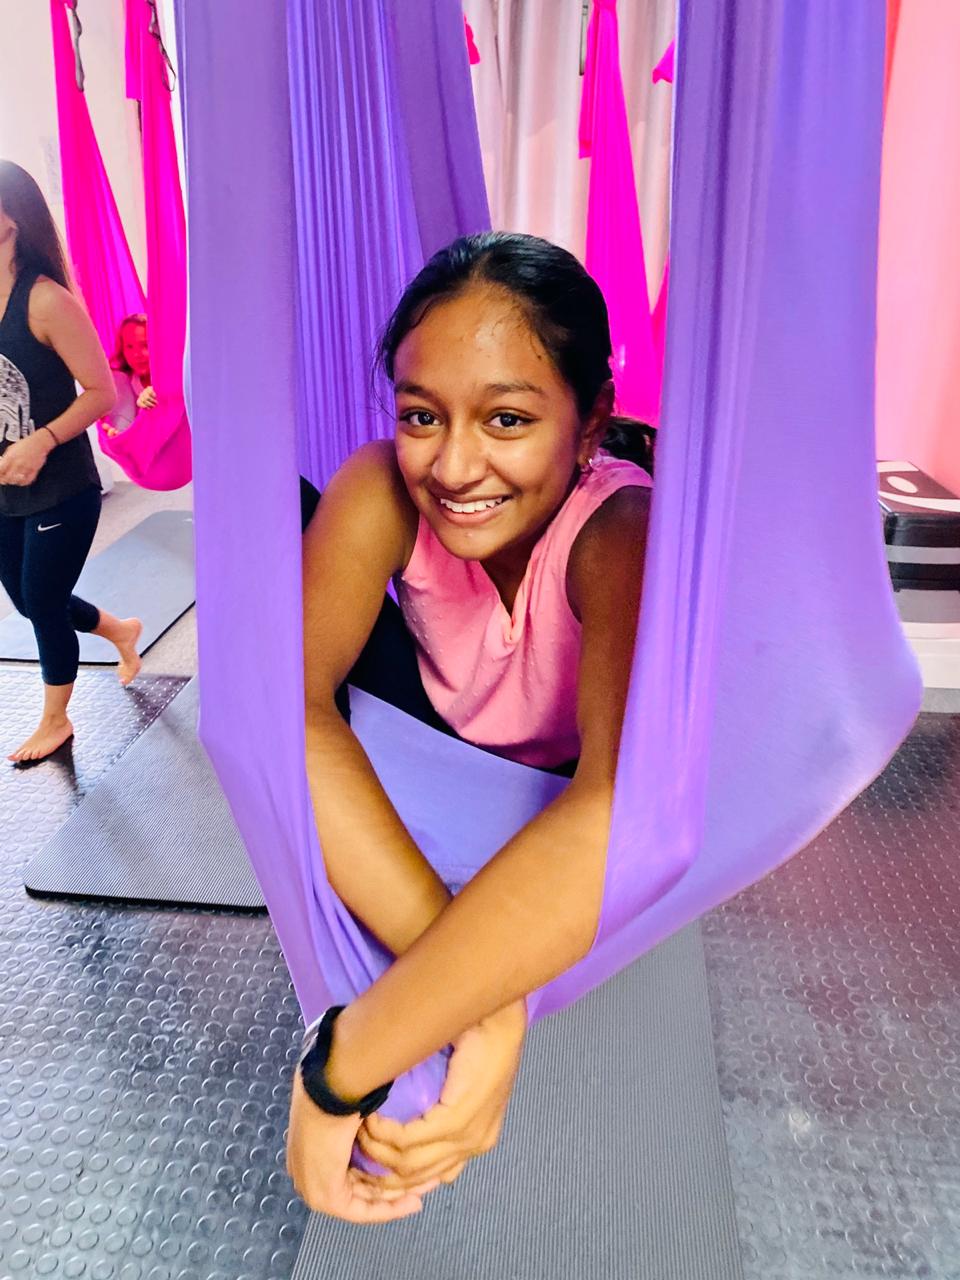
{"x":124,"y":634}
{"x":50,"y":734}
{"x":126,"y":639}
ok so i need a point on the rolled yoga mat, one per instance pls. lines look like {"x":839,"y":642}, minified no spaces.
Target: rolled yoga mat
{"x":147,"y":574}
{"x":156,"y":828}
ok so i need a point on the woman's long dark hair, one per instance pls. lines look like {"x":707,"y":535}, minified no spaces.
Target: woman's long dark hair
{"x":39,"y":247}
{"x":563,"y":305}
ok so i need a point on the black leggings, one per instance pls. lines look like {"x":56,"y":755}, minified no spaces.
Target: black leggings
{"x":41,"y":557}
{"x":387,"y":666}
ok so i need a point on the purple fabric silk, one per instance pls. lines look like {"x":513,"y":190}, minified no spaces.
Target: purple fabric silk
{"x":772,"y":680}
{"x":369,"y":206}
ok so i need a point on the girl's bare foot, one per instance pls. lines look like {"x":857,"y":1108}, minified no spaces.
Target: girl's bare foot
{"x":126,"y":638}
{"x":50,"y":734}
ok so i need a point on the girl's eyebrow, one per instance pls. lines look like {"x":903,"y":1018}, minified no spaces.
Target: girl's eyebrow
{"x":509,"y":388}
{"x":493,"y":388}
{"x":413,"y":389}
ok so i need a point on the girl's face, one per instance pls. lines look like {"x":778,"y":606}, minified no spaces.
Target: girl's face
{"x":135,"y":349}
{"x":489,"y":436}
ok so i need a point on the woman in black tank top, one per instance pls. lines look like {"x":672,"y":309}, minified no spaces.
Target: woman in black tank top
{"x":49,"y":487}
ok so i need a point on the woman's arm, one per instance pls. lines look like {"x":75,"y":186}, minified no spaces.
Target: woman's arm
{"x":532,"y":912}
{"x":58,"y":319}
{"x":358,"y":538}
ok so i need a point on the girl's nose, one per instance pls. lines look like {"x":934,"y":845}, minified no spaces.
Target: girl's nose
{"x":460,"y":461}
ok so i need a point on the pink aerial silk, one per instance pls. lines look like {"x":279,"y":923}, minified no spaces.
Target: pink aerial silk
{"x":473,"y":53}
{"x":614,"y":255}
{"x":155,"y":450}
{"x":664,"y":70}
{"x":102,"y":264}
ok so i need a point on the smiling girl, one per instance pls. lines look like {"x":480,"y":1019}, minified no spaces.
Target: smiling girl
{"x":516,"y":545}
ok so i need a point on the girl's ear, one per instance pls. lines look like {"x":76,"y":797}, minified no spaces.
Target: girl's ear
{"x":595,"y":426}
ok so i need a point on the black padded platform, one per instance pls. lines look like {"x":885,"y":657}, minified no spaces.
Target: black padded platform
{"x":156,"y":828}
{"x":612,"y":1165}
{"x":921,"y":528}
{"x":148,"y":574}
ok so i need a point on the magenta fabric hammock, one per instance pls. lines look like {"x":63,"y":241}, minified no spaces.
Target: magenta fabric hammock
{"x":155,"y":450}
{"x":664,"y":70}
{"x":772,"y":681}
{"x":102,"y":264}
{"x":614,"y":253}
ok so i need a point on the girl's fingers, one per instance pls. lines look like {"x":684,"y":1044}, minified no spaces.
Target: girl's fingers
{"x":432,"y":1177}
{"x":394,"y":1134}
{"x":367,"y":1191}
{"x":370,"y":1212}
{"x":410,"y":1164}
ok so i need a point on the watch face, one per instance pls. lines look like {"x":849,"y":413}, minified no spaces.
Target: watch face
{"x":905,"y":489}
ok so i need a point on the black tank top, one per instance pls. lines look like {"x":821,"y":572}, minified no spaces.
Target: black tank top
{"x":36,"y":387}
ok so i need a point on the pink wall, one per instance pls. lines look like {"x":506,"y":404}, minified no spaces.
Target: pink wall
{"x":918,"y":340}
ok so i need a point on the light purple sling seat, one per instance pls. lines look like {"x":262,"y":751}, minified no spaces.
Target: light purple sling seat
{"x":771,"y":679}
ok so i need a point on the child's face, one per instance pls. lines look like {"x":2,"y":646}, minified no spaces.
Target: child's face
{"x":483,"y":417}
{"x":135,"y":348}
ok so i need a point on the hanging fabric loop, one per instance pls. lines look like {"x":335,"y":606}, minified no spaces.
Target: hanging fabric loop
{"x":167,"y":72}
{"x":76,"y":32}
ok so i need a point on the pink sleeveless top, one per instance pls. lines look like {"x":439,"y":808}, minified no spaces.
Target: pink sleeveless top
{"x":507,"y":682}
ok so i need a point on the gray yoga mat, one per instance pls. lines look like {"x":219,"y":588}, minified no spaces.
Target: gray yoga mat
{"x":148,"y":574}
{"x":613,"y":1163}
{"x":156,"y":828}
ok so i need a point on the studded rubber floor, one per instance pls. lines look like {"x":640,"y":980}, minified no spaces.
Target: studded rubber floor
{"x":836,"y":994}
{"x":145,"y":1055}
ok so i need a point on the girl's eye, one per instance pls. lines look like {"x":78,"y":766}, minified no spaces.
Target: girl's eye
{"x":418,"y":418}
{"x":509,"y":421}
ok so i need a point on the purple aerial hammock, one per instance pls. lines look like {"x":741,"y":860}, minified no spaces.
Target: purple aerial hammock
{"x":771,"y":681}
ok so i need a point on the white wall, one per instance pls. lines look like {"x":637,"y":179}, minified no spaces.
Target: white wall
{"x":528,"y":88}
{"x":28,"y":108}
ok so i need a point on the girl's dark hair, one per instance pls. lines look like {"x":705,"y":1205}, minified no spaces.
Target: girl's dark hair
{"x":562,"y":303}
{"x":118,"y":360}
{"x":39,"y":247}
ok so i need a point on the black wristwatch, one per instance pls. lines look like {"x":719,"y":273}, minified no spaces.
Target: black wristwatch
{"x":312,"y":1068}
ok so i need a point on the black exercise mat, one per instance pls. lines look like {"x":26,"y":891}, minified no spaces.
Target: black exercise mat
{"x":156,"y":828}
{"x":148,"y":574}
{"x":612,"y":1166}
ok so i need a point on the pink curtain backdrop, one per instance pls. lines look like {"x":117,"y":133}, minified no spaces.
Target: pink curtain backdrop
{"x":102,"y":265}
{"x":614,"y":254}
{"x":155,"y":450}
{"x":918,"y":338}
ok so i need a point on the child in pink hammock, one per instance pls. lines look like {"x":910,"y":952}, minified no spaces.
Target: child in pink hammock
{"x":131,"y":375}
